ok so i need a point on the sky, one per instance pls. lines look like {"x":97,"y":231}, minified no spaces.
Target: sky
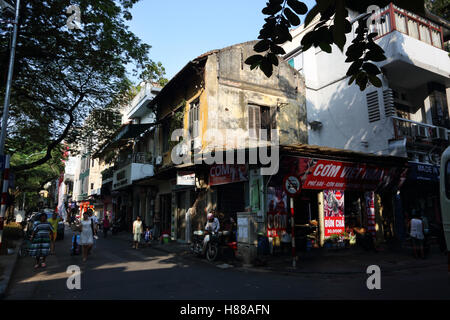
{"x":181,"y":30}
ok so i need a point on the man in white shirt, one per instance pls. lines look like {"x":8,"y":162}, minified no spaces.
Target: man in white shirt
{"x":416,"y":233}
{"x":212,"y":226}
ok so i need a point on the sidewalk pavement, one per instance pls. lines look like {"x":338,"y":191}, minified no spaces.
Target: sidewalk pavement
{"x":7,"y":265}
{"x":322,"y":261}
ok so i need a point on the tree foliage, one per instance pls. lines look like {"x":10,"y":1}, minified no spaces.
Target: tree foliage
{"x":331,"y":29}
{"x":440,"y":8}
{"x":61,"y":74}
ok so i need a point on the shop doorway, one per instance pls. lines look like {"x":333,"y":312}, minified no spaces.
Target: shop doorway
{"x":181,"y":215}
{"x":306,"y":218}
{"x":231,"y":198}
{"x":166,"y":216}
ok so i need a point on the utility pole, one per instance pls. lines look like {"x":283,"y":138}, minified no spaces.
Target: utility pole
{"x":5,"y":6}
{"x":9,"y":80}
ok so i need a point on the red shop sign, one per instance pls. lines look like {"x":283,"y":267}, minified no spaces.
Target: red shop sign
{"x":227,"y":173}
{"x":325,"y":174}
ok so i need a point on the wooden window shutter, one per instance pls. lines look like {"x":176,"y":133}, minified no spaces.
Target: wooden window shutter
{"x":254,"y":121}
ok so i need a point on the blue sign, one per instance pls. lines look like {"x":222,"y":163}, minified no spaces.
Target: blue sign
{"x":424,"y":172}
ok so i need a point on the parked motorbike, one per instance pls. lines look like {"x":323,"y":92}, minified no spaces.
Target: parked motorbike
{"x":218,"y":243}
{"x":117,"y":226}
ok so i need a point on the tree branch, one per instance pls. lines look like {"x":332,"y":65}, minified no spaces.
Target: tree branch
{"x":52,"y":145}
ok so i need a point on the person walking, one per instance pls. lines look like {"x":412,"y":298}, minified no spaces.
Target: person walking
{"x":87,"y":235}
{"x":54,"y":220}
{"x":40,"y":241}
{"x":105,"y":225}
{"x":137,"y":231}
{"x":417,"y":235}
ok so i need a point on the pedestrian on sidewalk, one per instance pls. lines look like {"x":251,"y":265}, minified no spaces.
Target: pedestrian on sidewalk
{"x":417,"y":235}
{"x":137,"y":232}
{"x":148,"y":236}
{"x":54,"y":220}
{"x":87,"y":235}
{"x":40,"y":241}
{"x":105,"y":225}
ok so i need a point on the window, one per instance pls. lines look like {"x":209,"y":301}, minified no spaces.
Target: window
{"x":260,"y":117}
{"x":439,"y":108}
{"x":291,"y":62}
{"x":194,"y":119}
{"x":373,"y":106}
{"x":447,"y":179}
{"x":92,"y":186}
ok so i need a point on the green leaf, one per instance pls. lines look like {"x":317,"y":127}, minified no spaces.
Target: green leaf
{"x":375,"y":80}
{"x":272,"y":58}
{"x":375,"y":56}
{"x":339,"y":25}
{"x":272,"y":9}
{"x":325,"y":47}
{"x":298,"y":6}
{"x":256,"y":58}
{"x":354,"y":67}
{"x":311,"y":15}
{"x":266,"y":67}
{"x":262,"y":46}
{"x":276,"y":49}
{"x":370,"y":68}
{"x":292,"y":17}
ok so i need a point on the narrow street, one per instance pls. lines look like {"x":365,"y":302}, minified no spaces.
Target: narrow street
{"x":116,"y":271}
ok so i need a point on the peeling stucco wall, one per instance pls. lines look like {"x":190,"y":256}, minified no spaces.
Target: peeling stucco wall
{"x":231,"y":86}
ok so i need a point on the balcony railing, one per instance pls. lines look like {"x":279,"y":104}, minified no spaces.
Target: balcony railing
{"x":394,"y":18}
{"x":137,"y":157}
{"x":418,"y":132}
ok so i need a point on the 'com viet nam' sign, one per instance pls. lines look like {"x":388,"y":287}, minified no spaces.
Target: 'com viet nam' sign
{"x":327,"y":174}
{"x":227,"y":173}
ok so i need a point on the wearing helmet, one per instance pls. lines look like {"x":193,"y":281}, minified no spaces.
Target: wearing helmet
{"x":210,"y":216}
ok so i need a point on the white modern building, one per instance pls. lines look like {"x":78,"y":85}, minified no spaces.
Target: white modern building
{"x":408,"y":116}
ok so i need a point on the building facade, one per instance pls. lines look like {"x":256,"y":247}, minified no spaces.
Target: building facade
{"x":407,"y":117}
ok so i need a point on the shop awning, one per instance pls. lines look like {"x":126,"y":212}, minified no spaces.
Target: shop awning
{"x":327,"y":168}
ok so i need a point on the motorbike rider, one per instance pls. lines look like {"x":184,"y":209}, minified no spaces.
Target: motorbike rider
{"x":212,"y":226}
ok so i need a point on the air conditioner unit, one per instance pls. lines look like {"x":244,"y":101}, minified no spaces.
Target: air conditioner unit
{"x":158,"y":160}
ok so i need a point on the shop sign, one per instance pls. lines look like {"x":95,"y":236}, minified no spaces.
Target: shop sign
{"x":326,"y":174}
{"x":333,"y":205}
{"x":277,"y":217}
{"x":185,"y":178}
{"x":423,"y":172}
{"x":227,"y":173}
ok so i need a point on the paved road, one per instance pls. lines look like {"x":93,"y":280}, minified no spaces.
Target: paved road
{"x":116,"y":271}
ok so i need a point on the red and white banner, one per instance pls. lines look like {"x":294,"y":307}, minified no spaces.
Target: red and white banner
{"x":370,"y":208}
{"x":227,"y":173}
{"x":277,"y":215}
{"x":326,"y":174}
{"x":334,"y":218}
